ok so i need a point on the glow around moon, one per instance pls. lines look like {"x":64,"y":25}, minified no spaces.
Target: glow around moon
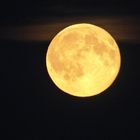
{"x":83,"y":60}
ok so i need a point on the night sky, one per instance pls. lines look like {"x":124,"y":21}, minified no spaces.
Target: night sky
{"x":32,"y":107}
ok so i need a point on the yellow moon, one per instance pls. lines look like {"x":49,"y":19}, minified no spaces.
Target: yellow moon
{"x":83,"y":60}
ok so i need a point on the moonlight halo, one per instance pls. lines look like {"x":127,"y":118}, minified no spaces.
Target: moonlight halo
{"x":83,"y":60}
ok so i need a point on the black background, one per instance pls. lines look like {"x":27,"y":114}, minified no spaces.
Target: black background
{"x":32,"y":107}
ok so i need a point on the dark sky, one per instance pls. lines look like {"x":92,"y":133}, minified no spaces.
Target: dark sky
{"x":32,"y":107}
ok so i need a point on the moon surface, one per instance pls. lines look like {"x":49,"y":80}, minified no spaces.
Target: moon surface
{"x":83,"y":60}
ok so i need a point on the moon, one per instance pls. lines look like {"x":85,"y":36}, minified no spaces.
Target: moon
{"x":83,"y":60}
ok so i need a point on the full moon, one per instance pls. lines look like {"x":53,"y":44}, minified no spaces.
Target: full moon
{"x":83,"y":60}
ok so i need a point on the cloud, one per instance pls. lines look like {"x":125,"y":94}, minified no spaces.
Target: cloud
{"x":121,"y":28}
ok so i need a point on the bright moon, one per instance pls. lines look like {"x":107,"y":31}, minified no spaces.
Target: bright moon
{"x":83,"y":60}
